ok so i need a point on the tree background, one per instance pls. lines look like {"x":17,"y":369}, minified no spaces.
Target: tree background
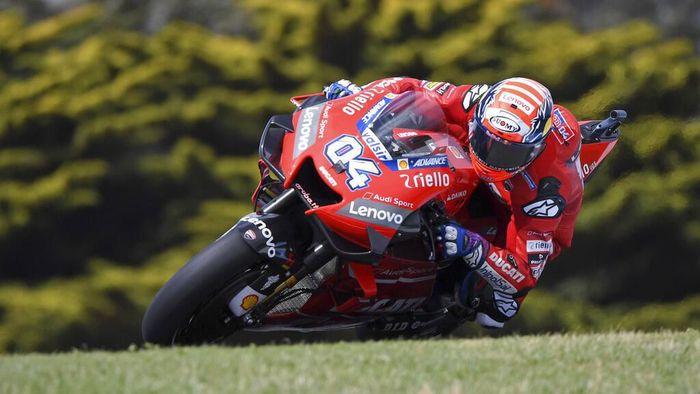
{"x":128,"y":133}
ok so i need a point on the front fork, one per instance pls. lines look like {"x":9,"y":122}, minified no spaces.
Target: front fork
{"x":273,"y":235}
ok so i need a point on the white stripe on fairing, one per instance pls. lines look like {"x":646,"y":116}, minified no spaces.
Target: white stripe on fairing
{"x":524,"y":91}
{"x":534,"y":84}
{"x":406,"y":280}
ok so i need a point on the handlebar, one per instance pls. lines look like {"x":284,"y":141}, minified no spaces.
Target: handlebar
{"x":610,"y":124}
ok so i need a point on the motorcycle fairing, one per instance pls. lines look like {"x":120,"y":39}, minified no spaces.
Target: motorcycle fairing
{"x":377,"y":189}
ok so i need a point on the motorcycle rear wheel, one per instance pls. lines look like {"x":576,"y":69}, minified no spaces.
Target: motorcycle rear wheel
{"x":192,"y":307}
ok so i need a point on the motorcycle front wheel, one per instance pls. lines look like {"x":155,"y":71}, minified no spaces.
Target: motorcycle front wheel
{"x":192,"y":307}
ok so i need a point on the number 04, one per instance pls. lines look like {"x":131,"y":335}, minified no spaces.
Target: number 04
{"x":348,"y":150}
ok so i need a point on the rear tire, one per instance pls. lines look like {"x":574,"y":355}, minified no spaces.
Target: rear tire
{"x":192,"y":298}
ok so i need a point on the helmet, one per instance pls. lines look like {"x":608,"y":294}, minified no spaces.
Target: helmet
{"x":510,"y":125}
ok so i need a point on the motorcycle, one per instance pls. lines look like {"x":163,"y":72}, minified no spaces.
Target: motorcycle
{"x":342,"y":232}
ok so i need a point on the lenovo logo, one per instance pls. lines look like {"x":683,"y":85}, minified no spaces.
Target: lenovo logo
{"x":375,"y":212}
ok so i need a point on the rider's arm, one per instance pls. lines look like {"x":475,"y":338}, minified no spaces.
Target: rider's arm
{"x":514,"y":268}
{"x":456,"y":101}
{"x":530,"y":242}
{"x":540,"y":225}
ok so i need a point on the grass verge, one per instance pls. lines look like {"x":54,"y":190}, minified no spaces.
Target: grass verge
{"x":604,"y":363}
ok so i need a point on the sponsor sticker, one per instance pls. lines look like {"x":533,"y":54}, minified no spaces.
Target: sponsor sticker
{"x":537,"y":262}
{"x":406,"y":134}
{"x":250,"y":235}
{"x":435,"y":161}
{"x":563,"y":130}
{"x":306,"y":196}
{"x":505,"y":304}
{"x":507,"y":268}
{"x":306,"y":129}
{"x":375,"y":145}
{"x":505,"y":122}
{"x":457,"y":195}
{"x":544,"y":208}
{"x":425,"y":179}
{"x":389,"y":200}
{"x":375,"y":212}
{"x":495,"y":279}
{"x":539,"y":246}
{"x":443,"y":88}
{"x":358,"y":102}
{"x":266,"y":233}
{"x":324,"y":120}
{"x":520,"y":102}
{"x":249,"y":301}
{"x":473,"y":96}
{"x":245,"y":300}
{"x":438,"y":87}
{"x":327,"y":175}
{"x":372,"y":114}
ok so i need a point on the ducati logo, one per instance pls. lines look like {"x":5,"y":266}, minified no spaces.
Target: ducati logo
{"x":249,"y":235}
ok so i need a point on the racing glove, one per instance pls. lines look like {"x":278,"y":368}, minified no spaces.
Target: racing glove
{"x":340,"y":89}
{"x":457,"y":241}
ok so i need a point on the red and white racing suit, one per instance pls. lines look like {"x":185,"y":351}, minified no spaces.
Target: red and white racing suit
{"x":536,"y":209}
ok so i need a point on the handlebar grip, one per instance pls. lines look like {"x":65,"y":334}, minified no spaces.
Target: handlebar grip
{"x":618,"y":114}
{"x":609,"y":125}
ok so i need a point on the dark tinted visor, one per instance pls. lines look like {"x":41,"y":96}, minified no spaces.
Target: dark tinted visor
{"x":500,"y":154}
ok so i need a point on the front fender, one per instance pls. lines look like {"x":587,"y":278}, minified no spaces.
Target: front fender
{"x":272,"y":236}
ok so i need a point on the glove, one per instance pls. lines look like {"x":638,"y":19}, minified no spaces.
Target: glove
{"x":457,"y":241}
{"x":340,"y":89}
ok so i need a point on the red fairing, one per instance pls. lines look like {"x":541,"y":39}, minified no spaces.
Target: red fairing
{"x":380,"y":186}
{"x":378,"y":190}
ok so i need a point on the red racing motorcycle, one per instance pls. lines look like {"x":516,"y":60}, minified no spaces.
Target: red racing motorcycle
{"x":341,"y":235}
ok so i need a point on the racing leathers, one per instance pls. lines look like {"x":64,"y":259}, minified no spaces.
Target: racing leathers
{"x":535,"y":210}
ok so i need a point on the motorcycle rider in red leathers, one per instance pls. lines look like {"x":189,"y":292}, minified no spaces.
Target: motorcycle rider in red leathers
{"x":525,"y":149}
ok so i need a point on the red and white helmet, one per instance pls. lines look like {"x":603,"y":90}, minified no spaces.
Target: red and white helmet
{"x":511,"y":123}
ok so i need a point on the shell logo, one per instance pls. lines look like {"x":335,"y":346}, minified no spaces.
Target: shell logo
{"x":249,"y":301}
{"x":402,"y":164}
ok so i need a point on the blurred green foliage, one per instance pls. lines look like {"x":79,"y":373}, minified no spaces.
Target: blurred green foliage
{"x":122,"y":153}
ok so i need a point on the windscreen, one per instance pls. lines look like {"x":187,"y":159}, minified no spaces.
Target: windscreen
{"x":400,"y":126}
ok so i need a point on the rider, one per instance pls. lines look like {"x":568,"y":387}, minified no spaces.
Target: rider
{"x":525,"y":149}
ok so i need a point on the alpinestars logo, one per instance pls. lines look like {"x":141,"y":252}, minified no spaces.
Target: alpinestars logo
{"x":505,"y":304}
{"x":473,"y":95}
{"x":476,"y":257}
{"x":549,"y":203}
{"x":547,"y":208}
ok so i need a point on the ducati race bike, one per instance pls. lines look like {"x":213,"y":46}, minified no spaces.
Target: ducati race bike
{"x":342,"y":233}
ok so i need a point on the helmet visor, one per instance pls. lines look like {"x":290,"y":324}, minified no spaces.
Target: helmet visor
{"x":500,"y":154}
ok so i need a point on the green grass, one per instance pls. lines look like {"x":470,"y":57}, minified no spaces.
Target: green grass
{"x":615,"y":362}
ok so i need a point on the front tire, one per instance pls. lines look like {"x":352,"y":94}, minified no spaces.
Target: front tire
{"x":188,"y":307}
